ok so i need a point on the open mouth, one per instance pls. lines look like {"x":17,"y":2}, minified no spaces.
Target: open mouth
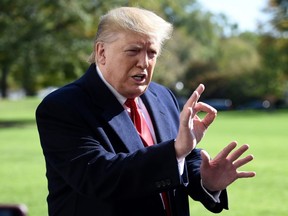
{"x":139,"y":77}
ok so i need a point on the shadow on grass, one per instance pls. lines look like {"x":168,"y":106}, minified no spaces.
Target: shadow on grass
{"x":16,"y":123}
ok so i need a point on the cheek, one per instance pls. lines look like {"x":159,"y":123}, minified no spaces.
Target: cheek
{"x":151,"y":68}
{"x":116,"y":76}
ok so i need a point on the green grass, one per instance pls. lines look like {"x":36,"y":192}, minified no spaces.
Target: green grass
{"x":266,"y":133}
{"x":22,"y":169}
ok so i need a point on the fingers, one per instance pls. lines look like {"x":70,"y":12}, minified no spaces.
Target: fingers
{"x":188,"y":110}
{"x":235,"y":155}
{"x":243,"y":161}
{"x":192,"y":107}
{"x":246,"y":174}
{"x":234,"y":158}
{"x":195,"y":96}
{"x":226,"y":151}
{"x":211,"y":113}
{"x":185,"y":116}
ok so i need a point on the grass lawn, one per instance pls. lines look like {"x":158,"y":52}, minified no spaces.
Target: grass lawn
{"x":22,"y":169}
{"x":266,"y":133}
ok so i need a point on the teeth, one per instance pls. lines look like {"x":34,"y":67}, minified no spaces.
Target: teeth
{"x":139,"y":77}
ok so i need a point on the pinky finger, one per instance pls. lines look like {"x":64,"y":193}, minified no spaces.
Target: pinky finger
{"x":246,"y":174}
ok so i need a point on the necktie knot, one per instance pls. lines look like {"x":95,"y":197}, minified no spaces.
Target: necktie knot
{"x":134,"y":113}
{"x":130,"y":102}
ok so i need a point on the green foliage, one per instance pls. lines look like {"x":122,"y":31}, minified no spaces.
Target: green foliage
{"x":279,"y":10}
{"x":229,"y":73}
{"x":47,"y":43}
{"x":44,"y":41}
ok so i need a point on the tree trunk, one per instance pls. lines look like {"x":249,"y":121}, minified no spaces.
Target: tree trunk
{"x":3,"y":81}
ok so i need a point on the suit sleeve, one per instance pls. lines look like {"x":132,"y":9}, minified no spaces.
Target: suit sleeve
{"x":194,"y":188}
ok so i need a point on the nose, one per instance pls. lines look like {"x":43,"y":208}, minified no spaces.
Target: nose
{"x":143,"y":61}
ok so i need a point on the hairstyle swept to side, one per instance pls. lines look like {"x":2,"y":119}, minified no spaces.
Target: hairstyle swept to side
{"x":132,"y":19}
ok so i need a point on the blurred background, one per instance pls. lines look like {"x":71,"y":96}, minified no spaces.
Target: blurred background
{"x":238,"y":49}
{"x":240,"y":52}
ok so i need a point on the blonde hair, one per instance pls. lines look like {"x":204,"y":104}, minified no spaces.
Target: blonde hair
{"x":132,"y":19}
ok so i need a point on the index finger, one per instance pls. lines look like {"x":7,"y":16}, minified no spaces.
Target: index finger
{"x":226,"y":151}
{"x":195,"y":96}
{"x":211,"y":113}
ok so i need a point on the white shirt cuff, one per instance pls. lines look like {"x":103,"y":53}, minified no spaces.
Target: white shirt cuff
{"x":181,"y":163}
{"x":215,"y":196}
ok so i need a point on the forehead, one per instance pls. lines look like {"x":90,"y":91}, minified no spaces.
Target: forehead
{"x":131,"y":38}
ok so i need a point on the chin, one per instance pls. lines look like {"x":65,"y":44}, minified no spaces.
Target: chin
{"x":136,"y":92}
{"x":142,"y":89}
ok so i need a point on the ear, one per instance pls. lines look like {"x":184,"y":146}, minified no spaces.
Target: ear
{"x":100,"y":57}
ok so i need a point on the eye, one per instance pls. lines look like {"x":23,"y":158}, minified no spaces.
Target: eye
{"x":132,"y":51}
{"x":152,"y":53}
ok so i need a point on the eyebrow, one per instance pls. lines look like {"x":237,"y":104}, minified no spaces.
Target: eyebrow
{"x":135,"y":45}
{"x":141,"y":46}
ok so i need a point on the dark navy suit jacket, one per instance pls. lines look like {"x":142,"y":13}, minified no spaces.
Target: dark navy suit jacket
{"x":96,"y":163}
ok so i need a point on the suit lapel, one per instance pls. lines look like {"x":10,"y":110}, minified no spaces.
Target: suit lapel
{"x":116,"y":116}
{"x":124,"y":127}
{"x":157,"y":112}
{"x":111,"y":110}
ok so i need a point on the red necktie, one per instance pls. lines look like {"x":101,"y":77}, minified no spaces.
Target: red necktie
{"x":143,"y":131}
{"x":139,"y":122}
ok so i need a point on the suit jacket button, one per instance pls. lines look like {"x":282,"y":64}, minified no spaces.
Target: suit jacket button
{"x":158,"y":184}
{"x":168,"y":182}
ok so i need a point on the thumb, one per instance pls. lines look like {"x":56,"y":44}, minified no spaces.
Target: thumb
{"x":205,"y":159}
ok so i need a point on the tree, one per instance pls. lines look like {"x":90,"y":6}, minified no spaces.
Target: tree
{"x":274,"y":52}
{"x":42,"y":40}
{"x":48,"y":42}
{"x":279,"y":11}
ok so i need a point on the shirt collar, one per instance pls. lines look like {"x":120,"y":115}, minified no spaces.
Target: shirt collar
{"x":119,"y":97}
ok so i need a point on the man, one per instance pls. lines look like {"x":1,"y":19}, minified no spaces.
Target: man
{"x":98,"y":160}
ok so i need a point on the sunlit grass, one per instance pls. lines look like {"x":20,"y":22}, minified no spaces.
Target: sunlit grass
{"x":22,"y":169}
{"x":266,"y":133}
